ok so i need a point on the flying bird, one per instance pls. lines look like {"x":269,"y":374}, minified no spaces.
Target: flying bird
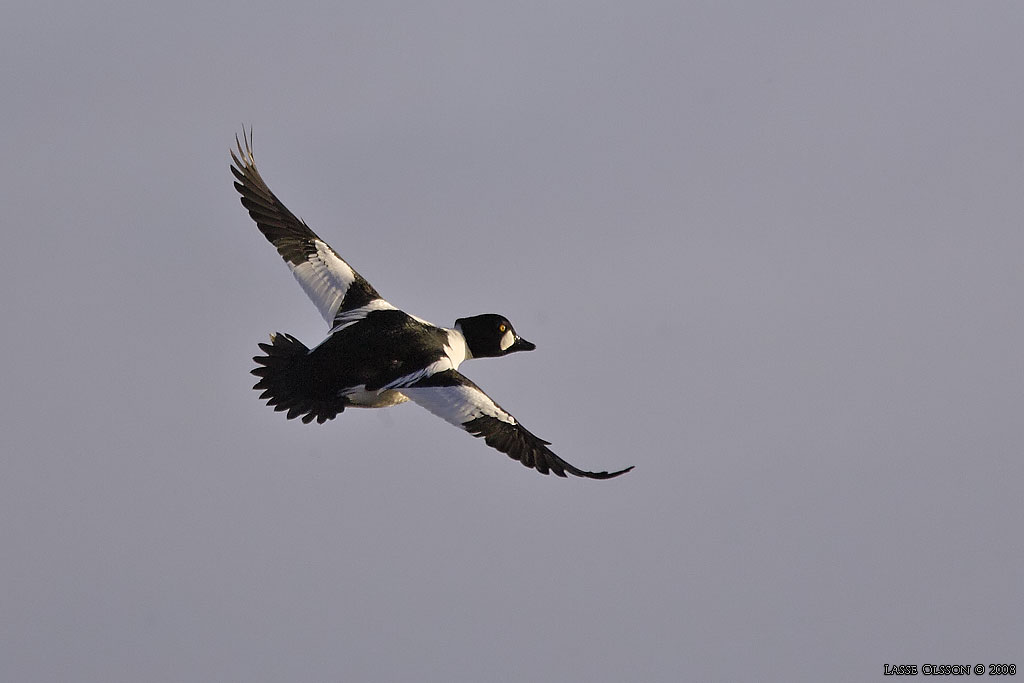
{"x":376,"y":355}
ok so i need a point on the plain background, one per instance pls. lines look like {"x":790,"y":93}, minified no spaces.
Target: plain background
{"x":770,"y":253}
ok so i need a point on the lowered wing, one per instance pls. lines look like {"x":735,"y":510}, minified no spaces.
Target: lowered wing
{"x":456,"y":399}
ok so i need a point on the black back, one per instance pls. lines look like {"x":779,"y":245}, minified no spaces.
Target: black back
{"x":377,"y":350}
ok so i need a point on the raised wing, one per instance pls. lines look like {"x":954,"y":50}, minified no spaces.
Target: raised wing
{"x":456,"y":399}
{"x":333,"y":285}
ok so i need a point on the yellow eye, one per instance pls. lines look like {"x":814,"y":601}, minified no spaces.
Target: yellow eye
{"x":502,"y":327}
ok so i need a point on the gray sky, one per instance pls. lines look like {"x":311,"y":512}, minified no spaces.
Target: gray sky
{"x":771,"y":256}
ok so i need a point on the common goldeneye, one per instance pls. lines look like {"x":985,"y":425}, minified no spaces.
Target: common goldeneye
{"x":375,"y":354}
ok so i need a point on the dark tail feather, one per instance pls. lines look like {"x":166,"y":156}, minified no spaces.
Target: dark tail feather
{"x":286,"y":381}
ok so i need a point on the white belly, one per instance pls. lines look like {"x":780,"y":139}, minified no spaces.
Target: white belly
{"x":371,"y":399}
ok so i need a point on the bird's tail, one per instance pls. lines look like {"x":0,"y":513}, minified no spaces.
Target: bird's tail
{"x":287,"y":382}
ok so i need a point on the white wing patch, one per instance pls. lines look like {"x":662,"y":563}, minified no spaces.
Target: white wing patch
{"x":325,"y":278}
{"x":440,"y":365}
{"x":457,"y":404}
{"x":356,"y":314}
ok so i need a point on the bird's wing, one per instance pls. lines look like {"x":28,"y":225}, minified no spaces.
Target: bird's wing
{"x":456,"y":399}
{"x":333,"y":285}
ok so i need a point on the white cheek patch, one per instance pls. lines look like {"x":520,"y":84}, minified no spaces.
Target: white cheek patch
{"x":507,"y":340}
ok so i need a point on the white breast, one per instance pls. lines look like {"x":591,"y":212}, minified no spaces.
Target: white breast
{"x":376,"y":399}
{"x":456,"y":348}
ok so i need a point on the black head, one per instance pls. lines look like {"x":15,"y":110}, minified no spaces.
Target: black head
{"x":491,"y":335}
